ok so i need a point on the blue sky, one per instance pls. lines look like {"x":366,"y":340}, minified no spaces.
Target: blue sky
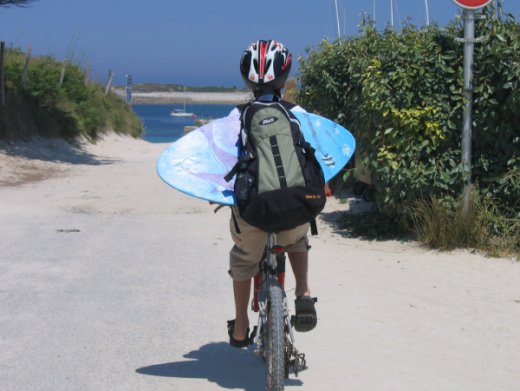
{"x":194,"y":42}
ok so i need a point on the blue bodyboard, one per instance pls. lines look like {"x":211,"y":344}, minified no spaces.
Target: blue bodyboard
{"x":197,"y":163}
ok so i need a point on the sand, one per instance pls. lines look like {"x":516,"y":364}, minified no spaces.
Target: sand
{"x":111,"y":280}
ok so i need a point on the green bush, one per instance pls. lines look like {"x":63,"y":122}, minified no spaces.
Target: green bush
{"x":401,"y":94}
{"x":496,"y":142}
{"x":47,"y":108}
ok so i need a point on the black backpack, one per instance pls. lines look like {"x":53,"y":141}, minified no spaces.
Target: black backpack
{"x":279,"y":183}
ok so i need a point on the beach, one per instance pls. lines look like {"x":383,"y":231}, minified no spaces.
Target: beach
{"x":112,"y":280}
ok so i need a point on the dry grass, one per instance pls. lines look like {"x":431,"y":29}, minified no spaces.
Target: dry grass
{"x":486,"y":226}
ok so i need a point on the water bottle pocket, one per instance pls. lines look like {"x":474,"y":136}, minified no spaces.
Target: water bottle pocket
{"x":243,"y":186}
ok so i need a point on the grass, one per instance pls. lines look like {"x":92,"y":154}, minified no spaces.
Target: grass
{"x":487,"y":226}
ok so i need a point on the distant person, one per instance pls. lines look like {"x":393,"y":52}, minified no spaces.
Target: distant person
{"x":265,"y":66}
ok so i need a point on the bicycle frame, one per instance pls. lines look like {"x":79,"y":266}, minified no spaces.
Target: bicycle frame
{"x":272,"y":274}
{"x":273,"y":264}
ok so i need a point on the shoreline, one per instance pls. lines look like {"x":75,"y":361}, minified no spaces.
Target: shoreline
{"x":176,"y":97}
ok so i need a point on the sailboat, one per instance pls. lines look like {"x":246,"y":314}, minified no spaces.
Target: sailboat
{"x":182,"y":112}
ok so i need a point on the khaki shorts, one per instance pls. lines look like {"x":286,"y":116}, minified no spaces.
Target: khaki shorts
{"x":247,"y":252}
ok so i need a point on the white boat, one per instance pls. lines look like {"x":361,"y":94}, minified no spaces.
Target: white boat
{"x":182,"y":112}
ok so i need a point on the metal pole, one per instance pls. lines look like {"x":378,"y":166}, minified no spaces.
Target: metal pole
{"x":392,"y":13}
{"x":469,"y":43}
{"x":337,"y":18}
{"x":427,"y":12}
{"x":129,"y":82}
{"x":2,"y":74}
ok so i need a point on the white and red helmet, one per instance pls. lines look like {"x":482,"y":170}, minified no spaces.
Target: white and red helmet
{"x":265,"y":64}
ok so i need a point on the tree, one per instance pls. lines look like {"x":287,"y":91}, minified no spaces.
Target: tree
{"x":18,"y":3}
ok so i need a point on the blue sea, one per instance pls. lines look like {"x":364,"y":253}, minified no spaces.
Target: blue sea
{"x":160,"y":127}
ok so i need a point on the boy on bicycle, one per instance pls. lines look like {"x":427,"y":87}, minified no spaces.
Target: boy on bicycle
{"x":265,"y":66}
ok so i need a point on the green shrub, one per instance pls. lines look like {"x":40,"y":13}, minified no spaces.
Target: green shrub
{"x":401,"y":94}
{"x":47,"y":108}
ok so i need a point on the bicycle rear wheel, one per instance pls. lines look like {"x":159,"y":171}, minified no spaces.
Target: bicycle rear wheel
{"x":275,"y":338}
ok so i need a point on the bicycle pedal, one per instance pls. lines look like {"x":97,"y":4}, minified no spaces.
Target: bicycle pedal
{"x":300,"y":363}
{"x":297,"y":365}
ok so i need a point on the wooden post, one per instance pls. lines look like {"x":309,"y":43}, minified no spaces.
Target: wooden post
{"x":62,"y":76}
{"x":87,"y":75}
{"x":26,"y":67}
{"x":2,"y":77}
{"x":109,"y":83}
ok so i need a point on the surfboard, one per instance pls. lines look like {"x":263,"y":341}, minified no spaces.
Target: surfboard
{"x":197,"y":163}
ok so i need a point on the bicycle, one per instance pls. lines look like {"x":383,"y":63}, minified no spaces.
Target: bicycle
{"x":273,"y":335}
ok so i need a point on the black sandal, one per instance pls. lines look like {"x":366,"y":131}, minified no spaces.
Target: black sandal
{"x":235,"y":342}
{"x":305,"y":318}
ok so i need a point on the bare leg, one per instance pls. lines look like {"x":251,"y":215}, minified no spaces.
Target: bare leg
{"x":241,"y":290}
{"x":300,"y":267}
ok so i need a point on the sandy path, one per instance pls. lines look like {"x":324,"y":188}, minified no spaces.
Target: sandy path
{"x":110,"y":280}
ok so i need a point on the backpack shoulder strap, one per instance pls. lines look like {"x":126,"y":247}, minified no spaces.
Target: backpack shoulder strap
{"x":243,"y":106}
{"x":287,"y":105}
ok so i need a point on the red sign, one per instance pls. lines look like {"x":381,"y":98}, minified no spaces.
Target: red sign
{"x":472,"y":4}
